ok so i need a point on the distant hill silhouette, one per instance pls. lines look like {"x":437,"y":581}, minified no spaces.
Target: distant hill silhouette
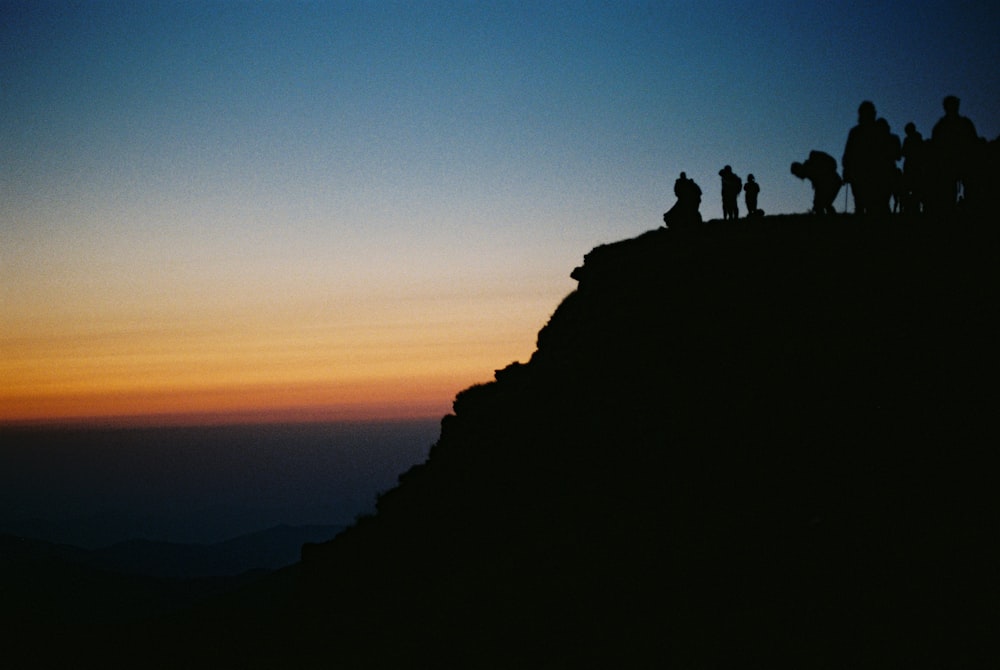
{"x":740,"y":445}
{"x":64,"y":586}
{"x":265,"y":550}
{"x":82,"y":595}
{"x":268,"y":549}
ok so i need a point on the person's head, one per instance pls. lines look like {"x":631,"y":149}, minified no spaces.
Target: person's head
{"x":910,"y":128}
{"x":866,"y":112}
{"x":683,"y":175}
{"x":750,"y":178}
{"x":799,"y":170}
{"x":951,"y":105}
{"x":883,"y":125}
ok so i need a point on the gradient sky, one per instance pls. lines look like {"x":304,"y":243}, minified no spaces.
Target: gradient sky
{"x":324,"y":210}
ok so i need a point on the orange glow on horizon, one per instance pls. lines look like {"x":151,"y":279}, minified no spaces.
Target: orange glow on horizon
{"x":249,"y":370}
{"x":423,"y":399}
{"x":379,"y":354}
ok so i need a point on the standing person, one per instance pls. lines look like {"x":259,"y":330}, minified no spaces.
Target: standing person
{"x":890,"y":179}
{"x":731,"y":187}
{"x":954,"y":141}
{"x":862,"y":160}
{"x":915,"y":169}
{"x":751,"y":189}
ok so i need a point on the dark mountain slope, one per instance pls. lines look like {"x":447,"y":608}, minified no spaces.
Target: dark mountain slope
{"x":748,"y":445}
{"x":60,"y":607}
{"x":752,"y":443}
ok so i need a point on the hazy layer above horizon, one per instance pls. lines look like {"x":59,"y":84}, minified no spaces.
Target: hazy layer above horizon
{"x":94,"y":487}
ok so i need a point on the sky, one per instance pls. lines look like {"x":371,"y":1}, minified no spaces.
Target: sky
{"x":272,"y":211}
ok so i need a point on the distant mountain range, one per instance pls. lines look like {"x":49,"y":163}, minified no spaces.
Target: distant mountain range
{"x":71,"y":593}
{"x":752,"y":444}
{"x":265,"y":550}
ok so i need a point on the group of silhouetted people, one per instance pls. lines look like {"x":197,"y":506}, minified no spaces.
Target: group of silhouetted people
{"x":949,"y":168}
{"x":954,"y":168}
{"x":686,"y":210}
{"x":938,"y":175}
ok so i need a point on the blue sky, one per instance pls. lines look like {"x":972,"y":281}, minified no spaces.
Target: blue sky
{"x":382,"y":166}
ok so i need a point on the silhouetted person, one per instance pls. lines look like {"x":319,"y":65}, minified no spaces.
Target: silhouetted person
{"x":685,"y":210}
{"x":896,"y":192}
{"x":821,"y":170}
{"x":864,"y":161}
{"x":915,"y":170}
{"x":751,"y":190}
{"x":731,"y":187}
{"x":981,"y":178}
{"x":890,"y":178}
{"x":954,"y":141}
{"x":987,"y":177}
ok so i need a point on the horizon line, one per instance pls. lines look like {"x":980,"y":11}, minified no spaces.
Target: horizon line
{"x":302,"y":416}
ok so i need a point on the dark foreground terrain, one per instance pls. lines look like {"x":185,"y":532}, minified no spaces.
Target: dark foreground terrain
{"x":748,"y":445}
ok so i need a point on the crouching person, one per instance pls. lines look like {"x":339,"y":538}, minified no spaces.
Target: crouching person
{"x":821,"y":171}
